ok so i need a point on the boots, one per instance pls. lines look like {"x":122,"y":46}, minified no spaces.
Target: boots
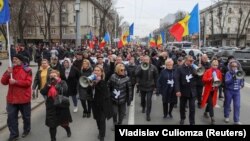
{"x":68,"y":131}
{"x":212,"y":121}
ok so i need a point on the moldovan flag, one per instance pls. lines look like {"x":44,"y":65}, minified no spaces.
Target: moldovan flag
{"x":102,"y":44}
{"x":159,"y":40}
{"x":180,"y":29}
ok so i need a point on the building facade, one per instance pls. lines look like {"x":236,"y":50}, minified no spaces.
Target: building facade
{"x":226,"y":23}
{"x":90,"y":14}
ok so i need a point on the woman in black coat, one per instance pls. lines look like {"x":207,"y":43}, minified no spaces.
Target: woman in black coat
{"x":85,"y":94}
{"x":71,"y":75}
{"x":102,"y":107}
{"x":56,"y":116}
{"x":166,"y":86}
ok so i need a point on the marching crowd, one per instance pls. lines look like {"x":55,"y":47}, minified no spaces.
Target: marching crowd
{"x":65,"y":72}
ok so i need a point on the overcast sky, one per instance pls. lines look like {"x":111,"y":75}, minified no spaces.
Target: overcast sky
{"x":146,"y":14}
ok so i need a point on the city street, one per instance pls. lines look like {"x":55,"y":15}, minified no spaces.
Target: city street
{"x":86,"y":128}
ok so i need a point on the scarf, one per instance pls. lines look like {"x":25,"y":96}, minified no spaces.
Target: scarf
{"x":53,"y":91}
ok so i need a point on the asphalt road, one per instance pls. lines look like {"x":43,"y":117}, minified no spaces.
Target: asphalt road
{"x":86,"y":128}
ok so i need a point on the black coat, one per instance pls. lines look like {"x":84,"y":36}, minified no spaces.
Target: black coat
{"x":167,"y":90}
{"x":78,"y":64}
{"x":147,"y":78}
{"x":86,"y":93}
{"x":56,"y":115}
{"x":187,"y":89}
{"x":58,"y":67}
{"x":123,"y":85}
{"x":72,"y":80}
{"x":102,"y":101}
{"x":131,"y":73}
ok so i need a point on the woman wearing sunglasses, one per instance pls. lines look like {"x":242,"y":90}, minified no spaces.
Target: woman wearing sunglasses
{"x":120,"y":88}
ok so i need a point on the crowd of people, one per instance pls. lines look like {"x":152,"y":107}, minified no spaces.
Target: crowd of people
{"x":169,"y":73}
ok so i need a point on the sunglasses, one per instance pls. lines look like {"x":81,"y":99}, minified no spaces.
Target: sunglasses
{"x":122,"y":70}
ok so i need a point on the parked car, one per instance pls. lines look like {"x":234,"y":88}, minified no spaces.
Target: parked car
{"x":241,"y":55}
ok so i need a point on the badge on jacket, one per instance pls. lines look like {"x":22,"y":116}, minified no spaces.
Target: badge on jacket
{"x":171,"y":82}
{"x":117,"y":93}
{"x":188,"y":77}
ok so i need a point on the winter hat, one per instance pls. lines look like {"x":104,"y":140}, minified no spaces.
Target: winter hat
{"x":20,"y":57}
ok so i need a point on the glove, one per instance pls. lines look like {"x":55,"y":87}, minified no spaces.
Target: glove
{"x":128,"y":103}
{"x":234,"y":77}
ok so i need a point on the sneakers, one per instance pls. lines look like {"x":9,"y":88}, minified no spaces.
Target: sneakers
{"x":25,"y":134}
{"x":13,"y":139}
{"x":206,"y":115}
{"x":226,"y":120}
{"x":75,"y":109}
{"x":212,"y":120}
{"x":237,"y":123}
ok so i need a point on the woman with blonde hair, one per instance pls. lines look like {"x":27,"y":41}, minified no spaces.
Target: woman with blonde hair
{"x":102,"y":108}
{"x":121,"y":92}
{"x":85,"y":94}
{"x":210,"y":90}
{"x":42,"y":77}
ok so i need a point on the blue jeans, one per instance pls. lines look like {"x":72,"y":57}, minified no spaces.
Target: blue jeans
{"x":74,"y":99}
{"x":12,"y":121}
{"x":235,"y":96}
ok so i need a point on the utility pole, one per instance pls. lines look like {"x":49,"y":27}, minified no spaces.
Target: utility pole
{"x":78,"y":32}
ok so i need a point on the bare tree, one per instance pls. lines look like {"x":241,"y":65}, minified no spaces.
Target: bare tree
{"x":60,"y":4}
{"x":242,"y":21}
{"x":20,"y":17}
{"x":3,"y":31}
{"x":222,"y":18}
{"x":107,"y":4}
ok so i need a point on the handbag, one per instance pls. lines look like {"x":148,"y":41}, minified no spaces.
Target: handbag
{"x":61,"y":101}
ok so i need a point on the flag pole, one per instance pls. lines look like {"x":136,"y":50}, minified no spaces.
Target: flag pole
{"x":199,"y":44}
{"x":8,"y":39}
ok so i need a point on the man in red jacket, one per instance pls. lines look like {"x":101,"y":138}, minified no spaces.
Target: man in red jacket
{"x":19,"y":96}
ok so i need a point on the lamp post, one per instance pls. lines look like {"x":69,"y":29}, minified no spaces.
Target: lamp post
{"x":78,"y":32}
{"x":116,"y":25}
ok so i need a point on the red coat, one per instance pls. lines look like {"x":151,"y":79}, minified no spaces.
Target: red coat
{"x":20,"y":92}
{"x":207,"y":80}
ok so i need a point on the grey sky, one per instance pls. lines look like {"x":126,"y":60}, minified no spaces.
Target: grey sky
{"x":146,"y":14}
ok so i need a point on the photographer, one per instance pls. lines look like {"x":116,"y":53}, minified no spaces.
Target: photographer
{"x":55,"y":115}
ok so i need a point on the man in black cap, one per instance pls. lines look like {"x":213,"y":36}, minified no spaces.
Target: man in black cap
{"x":19,"y":80}
{"x":78,"y":62}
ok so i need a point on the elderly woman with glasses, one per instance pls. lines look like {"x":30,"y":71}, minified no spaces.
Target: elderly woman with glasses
{"x":232,"y":91}
{"x":210,"y":90}
{"x":120,"y":88}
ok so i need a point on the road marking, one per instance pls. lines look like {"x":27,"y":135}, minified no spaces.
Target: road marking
{"x":131,"y":116}
{"x":247,"y":85}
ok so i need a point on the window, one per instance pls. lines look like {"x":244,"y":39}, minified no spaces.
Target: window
{"x":40,"y":8}
{"x":64,"y":30}
{"x":74,"y":19}
{"x":40,"y":19}
{"x":52,"y":19}
{"x":41,"y":30}
{"x":248,"y":31}
{"x":64,"y":19}
{"x":229,"y":20}
{"x":64,"y":8}
{"x":240,"y":11}
{"x":53,"y":31}
{"x":29,"y":31}
{"x":230,"y":10}
{"x":228,"y":30}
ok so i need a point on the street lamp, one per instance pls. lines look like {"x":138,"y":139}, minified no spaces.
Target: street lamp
{"x":78,"y":32}
{"x":116,"y":23}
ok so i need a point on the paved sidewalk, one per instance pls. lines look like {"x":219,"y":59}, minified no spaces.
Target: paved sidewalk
{"x":3,"y":92}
